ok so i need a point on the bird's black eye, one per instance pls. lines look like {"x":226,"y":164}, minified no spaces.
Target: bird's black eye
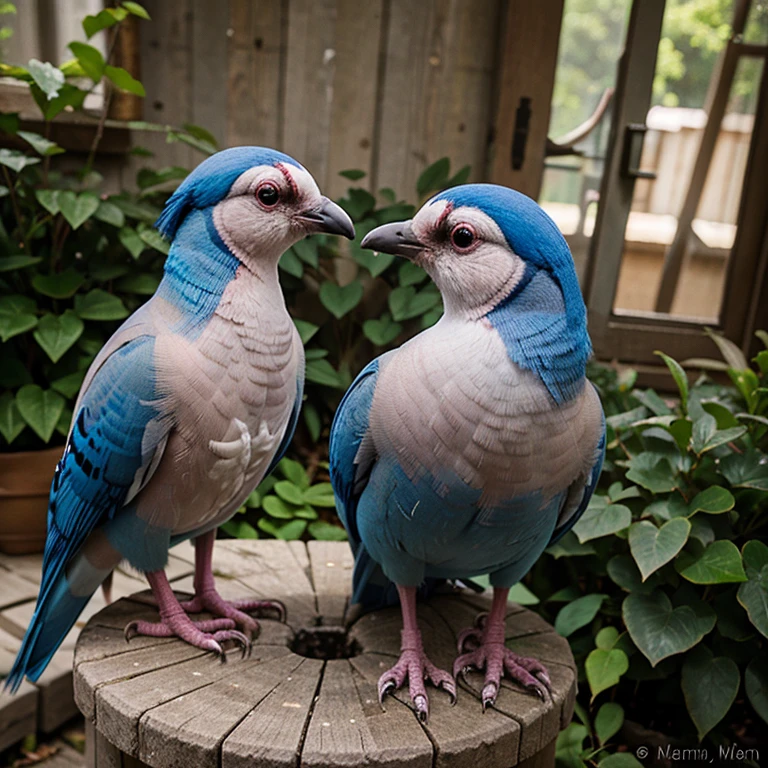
{"x":462,"y":237}
{"x":268,"y":194}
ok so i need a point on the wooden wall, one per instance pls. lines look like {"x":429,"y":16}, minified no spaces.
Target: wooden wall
{"x":387,"y":86}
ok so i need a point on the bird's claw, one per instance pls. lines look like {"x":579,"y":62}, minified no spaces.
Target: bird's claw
{"x":488,"y":695}
{"x":421,"y":704}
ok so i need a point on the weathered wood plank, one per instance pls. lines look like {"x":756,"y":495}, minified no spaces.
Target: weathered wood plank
{"x":272,"y":733}
{"x":56,"y":702}
{"x":65,"y":757}
{"x":18,"y":712}
{"x":255,"y":72}
{"x":348,"y":727}
{"x":331,"y":564}
{"x":189,"y":730}
{"x":14,"y":589}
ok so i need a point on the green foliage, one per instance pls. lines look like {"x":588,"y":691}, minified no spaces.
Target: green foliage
{"x":670,"y":563}
{"x":74,"y":260}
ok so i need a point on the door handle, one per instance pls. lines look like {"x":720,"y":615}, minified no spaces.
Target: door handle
{"x":634,"y":134}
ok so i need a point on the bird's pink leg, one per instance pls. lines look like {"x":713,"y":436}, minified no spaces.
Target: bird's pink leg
{"x":491,"y":654}
{"x":413,"y":662}
{"x":174,"y":622}
{"x":208,"y":599}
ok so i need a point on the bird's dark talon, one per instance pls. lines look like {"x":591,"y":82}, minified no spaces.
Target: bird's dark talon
{"x":422,"y":707}
{"x":385,"y":688}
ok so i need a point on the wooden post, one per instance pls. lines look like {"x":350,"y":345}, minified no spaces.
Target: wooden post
{"x":526,"y":82}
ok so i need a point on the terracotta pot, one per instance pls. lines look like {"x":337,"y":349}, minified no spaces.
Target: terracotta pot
{"x":25,"y":481}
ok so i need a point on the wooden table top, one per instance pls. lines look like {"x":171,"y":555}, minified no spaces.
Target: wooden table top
{"x":169,"y":704}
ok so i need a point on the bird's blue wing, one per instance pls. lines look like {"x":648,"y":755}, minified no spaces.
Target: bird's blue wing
{"x":113,"y":448}
{"x":569,"y":517}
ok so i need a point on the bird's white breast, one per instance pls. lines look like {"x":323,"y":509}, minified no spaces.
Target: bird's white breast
{"x":452,"y":403}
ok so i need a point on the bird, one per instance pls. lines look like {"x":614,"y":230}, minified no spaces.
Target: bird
{"x":477,"y":443}
{"x":187,"y":407}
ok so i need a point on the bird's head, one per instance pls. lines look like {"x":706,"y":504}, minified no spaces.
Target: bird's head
{"x":482,"y":243}
{"x":261,"y":202}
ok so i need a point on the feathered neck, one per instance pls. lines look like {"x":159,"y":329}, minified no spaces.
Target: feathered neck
{"x":542,"y":335}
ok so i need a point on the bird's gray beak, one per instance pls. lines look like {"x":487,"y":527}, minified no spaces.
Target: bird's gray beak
{"x":396,"y":238}
{"x":328,"y":218}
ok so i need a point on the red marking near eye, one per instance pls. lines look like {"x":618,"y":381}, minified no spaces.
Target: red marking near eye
{"x":287,"y":174}
{"x":444,"y":215}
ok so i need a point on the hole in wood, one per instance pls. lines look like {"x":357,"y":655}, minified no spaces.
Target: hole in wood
{"x":325,"y":643}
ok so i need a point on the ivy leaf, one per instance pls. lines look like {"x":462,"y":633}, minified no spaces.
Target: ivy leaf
{"x":41,"y":409}
{"x":154,"y":239}
{"x":320,"y":495}
{"x":290,"y":263}
{"x":405,"y":302}
{"x":49,"y":79}
{"x":61,"y":286}
{"x":608,"y":721}
{"x":49,"y":199}
{"x":706,"y":436}
{"x":102,"y":20}
{"x":17,"y":315}
{"x":40,"y":144}
{"x":600,"y":520}
{"x":306,"y":250}
{"x":100,"y":305}
{"x":710,"y":686}
{"x":713,"y":500}
{"x":322,"y":372}
{"x":306,"y":330}
{"x":90,"y":59}
{"x":409,"y":273}
{"x":604,"y":669}
{"x":77,"y":209}
{"x":109,"y":213}
{"x":132,"y":242}
{"x":57,"y":333}
{"x":11,"y":422}
{"x":143,"y":284}
{"x":323,"y":531}
{"x":753,"y":594}
{"x":653,"y":547}
{"x":434,"y":177}
{"x":353,"y":174}
{"x":624,"y":572}
{"x":15,"y":160}
{"x":339,"y":300}
{"x":719,"y":563}
{"x":382,"y":331}
{"x":578,"y":614}
{"x":69,"y":385}
{"x":652,"y":471}
{"x":660,"y":631}
{"x":756,"y":685}
{"x":746,"y":470}
{"x":312,"y":420}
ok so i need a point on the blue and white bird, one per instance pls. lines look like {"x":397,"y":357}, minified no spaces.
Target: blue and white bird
{"x":476,"y":444}
{"x":187,"y":407}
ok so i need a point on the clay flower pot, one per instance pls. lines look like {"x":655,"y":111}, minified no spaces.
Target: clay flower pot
{"x":25,"y":481}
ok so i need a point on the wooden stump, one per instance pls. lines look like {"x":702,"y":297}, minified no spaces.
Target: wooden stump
{"x":161,"y":703}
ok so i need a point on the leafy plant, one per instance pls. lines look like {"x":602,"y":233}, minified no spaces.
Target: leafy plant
{"x":74,"y":261}
{"x":662,"y":586}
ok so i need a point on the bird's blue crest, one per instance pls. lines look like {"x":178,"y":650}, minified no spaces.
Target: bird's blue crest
{"x":211,"y":180}
{"x":531,"y":234}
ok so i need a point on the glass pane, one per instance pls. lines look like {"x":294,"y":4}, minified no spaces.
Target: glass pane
{"x":591,"y":41}
{"x":693,"y":36}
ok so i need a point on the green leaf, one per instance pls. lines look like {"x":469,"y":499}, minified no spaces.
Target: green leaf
{"x":100,"y":305}
{"x":521,"y":595}
{"x":102,"y":20}
{"x":40,"y":144}
{"x":339,"y":300}
{"x":90,"y":59}
{"x":17,"y":315}
{"x":41,"y":409}
{"x":660,"y":631}
{"x":15,"y":160}
{"x":70,"y":385}
{"x":11,"y":423}
{"x":624,"y":572}
{"x":376,"y":263}
{"x":61,"y":286}
{"x":132,"y":242}
{"x":276,"y":507}
{"x":49,"y":199}
{"x":289,"y":531}
{"x":570,"y":745}
{"x":69,"y":96}
{"x":295,"y":472}
{"x":353,"y":174}
{"x":287,"y":491}
{"x":143,"y":284}
{"x":710,"y":686}
{"x":405,"y":302}
{"x":240,"y":529}
{"x":290,"y":263}
{"x":650,"y":399}
{"x":730,"y":352}
{"x":756,"y":685}
{"x":307,"y":251}
{"x":578,"y":614}
{"x":124,"y":81}
{"x":313,"y":422}
{"x":409,"y":273}
{"x":320,"y":495}
{"x":154,"y":239}
{"x":620,"y":760}
{"x":599,"y":520}
{"x":323,"y":531}
{"x":746,"y":470}
{"x":382,"y":331}
{"x":434,"y":177}
{"x":653,"y":547}
{"x":48,"y":78}
{"x":719,"y":563}
{"x":13,"y":373}
{"x":604,"y":669}
{"x":57,"y":333}
{"x":137,"y":10}
{"x":678,"y":374}
{"x":77,"y":209}
{"x":109,"y":213}
{"x":358,"y":204}
{"x":653,"y":472}
{"x":713,"y":500}
{"x":322,"y":372}
{"x":306,"y":330}
{"x":570,"y":546}
{"x":753,"y":594}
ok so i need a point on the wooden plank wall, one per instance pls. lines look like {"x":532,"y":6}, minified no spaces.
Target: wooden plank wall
{"x":387,"y":86}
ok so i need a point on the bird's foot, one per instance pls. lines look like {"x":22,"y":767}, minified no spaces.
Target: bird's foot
{"x":414,"y":665}
{"x":235,"y":610}
{"x":207,"y":635}
{"x":489,"y":653}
